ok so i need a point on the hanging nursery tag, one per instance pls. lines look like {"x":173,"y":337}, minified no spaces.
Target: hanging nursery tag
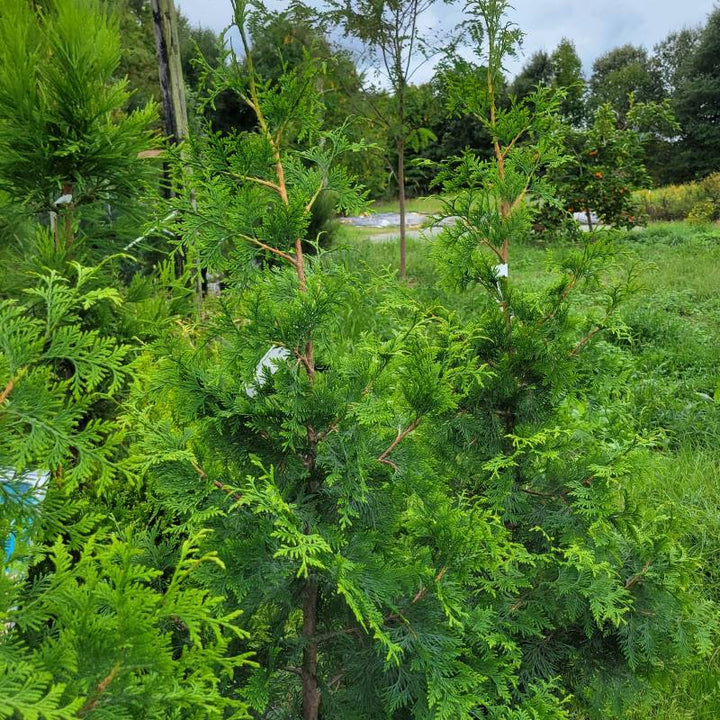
{"x":269,"y":361}
{"x":501,"y":271}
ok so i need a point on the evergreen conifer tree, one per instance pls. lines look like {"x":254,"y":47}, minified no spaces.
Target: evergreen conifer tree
{"x":92,"y":626}
{"x":607,"y":605}
{"x":67,"y":148}
{"x":295,"y":428}
{"x":99,"y":618}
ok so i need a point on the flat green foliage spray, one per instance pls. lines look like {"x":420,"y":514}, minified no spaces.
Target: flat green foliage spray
{"x":91,"y":628}
{"x":293,"y":423}
{"x":99,"y":618}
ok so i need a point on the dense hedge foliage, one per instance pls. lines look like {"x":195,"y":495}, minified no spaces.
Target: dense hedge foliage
{"x":680,"y":202}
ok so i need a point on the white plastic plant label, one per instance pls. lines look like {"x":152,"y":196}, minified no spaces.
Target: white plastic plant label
{"x":64,"y":199}
{"x":501,"y":271}
{"x":269,"y":361}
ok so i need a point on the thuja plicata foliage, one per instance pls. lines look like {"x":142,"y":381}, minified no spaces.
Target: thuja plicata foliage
{"x":98,"y":618}
{"x":316,"y":496}
{"x":65,"y":143}
{"x":291,"y":427}
{"x":418,"y":515}
{"x":604,"y":601}
{"x":91,"y":626}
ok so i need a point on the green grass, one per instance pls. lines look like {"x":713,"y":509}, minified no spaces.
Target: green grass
{"x":345,"y":234}
{"x":674,"y":320}
{"x":429,"y":205}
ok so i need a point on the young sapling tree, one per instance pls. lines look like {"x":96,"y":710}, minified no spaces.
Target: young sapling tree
{"x":608,"y":600}
{"x":300,"y":442}
{"x":392,"y":32}
{"x":65,"y":141}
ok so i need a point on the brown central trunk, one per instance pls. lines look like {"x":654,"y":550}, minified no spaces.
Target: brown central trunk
{"x":401,"y":201}
{"x":310,"y":691}
{"x":589,"y":219}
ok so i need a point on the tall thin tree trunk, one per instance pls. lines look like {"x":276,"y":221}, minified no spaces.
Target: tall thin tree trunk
{"x":310,"y":690}
{"x":401,"y":202}
{"x":588,"y":214}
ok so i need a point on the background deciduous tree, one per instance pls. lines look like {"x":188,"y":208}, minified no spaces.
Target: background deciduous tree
{"x":392,"y":32}
{"x":620,"y":72}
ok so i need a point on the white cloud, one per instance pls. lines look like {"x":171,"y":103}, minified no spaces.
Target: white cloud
{"x":595,"y":26}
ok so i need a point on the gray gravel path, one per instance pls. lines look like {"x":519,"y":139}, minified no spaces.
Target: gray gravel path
{"x":385,"y":220}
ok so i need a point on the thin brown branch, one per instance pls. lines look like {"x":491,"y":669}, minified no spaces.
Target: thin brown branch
{"x":8,"y":389}
{"x":517,"y":201}
{"x":483,"y":240}
{"x":269,"y":248}
{"x":280,"y":170}
{"x":221,"y":486}
{"x":101,"y":688}
{"x":585,"y":340}
{"x":333,"y":427}
{"x":422,"y":592}
{"x":419,"y":595}
{"x":635,"y":579}
{"x":402,"y":434}
{"x":563,"y":296}
{"x":300,"y":265}
{"x":306,"y":362}
{"x":315,"y":196}
{"x":257,"y":180}
{"x":512,"y":143}
{"x":549,"y":496}
{"x":145,"y":154}
{"x":338,"y":633}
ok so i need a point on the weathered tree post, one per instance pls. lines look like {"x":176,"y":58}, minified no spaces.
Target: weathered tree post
{"x":172,"y":86}
{"x":167,"y":44}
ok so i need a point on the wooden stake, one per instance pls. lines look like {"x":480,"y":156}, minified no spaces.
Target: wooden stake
{"x":167,"y":44}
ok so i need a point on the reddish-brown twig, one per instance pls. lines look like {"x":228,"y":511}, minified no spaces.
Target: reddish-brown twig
{"x":402,"y":434}
{"x":102,"y":686}
{"x":635,"y":579}
{"x":8,"y":389}
{"x":221,"y":486}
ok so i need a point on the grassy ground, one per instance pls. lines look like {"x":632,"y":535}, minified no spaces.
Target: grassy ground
{"x":673,"y":326}
{"x":429,"y":205}
{"x":674,"y":321}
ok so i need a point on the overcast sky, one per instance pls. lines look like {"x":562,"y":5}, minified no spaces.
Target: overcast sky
{"x":595,"y":26}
